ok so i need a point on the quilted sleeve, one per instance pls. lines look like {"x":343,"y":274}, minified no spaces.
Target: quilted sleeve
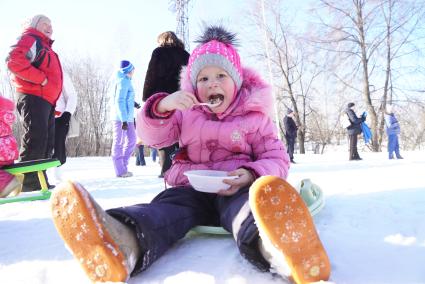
{"x":19,"y":60}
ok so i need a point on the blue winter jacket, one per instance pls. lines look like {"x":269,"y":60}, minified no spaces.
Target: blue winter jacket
{"x":122,"y":104}
{"x":391,"y":124}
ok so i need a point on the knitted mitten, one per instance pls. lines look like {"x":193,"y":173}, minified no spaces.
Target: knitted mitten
{"x":106,"y":249}
{"x":289,"y":241}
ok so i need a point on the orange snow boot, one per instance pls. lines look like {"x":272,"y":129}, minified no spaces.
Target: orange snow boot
{"x":105,"y":248}
{"x":289,"y":240}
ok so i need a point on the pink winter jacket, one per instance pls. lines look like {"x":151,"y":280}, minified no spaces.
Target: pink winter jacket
{"x":8,"y":145}
{"x":242,"y":137}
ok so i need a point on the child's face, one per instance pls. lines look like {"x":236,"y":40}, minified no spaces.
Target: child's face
{"x":130,"y":74}
{"x":215,"y":85}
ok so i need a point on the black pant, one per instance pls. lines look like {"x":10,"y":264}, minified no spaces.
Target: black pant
{"x":140,"y":155}
{"x":61,"y":131}
{"x":38,"y":121}
{"x":173,"y":212}
{"x":354,"y":155}
{"x":290,"y":145}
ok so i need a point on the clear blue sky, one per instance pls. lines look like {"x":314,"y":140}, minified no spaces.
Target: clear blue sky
{"x":110,"y":30}
{"x":114,"y":30}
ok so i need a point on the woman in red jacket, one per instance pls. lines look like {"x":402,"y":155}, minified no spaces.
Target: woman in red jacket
{"x":37,"y":77}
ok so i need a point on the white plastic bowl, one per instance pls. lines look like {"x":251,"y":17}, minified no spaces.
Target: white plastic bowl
{"x":208,"y":180}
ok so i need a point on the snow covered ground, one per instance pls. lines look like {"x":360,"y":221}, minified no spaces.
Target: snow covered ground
{"x":372,"y":225}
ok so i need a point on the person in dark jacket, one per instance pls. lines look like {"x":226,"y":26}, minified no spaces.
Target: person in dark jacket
{"x":65,"y":108}
{"x":36,"y":73}
{"x":290,"y":133}
{"x":353,"y":130}
{"x":163,"y":76}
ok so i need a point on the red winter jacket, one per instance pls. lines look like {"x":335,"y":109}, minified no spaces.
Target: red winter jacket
{"x":26,"y":78}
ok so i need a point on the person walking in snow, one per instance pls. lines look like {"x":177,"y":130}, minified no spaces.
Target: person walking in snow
{"x":392,"y":128}
{"x":353,"y":130}
{"x":8,"y":148}
{"x":163,"y":76}
{"x":65,"y":108}
{"x":290,"y":133}
{"x":140,"y":153}
{"x":234,"y":133}
{"x":154,"y":154}
{"x":122,"y":112}
{"x":36,"y":73}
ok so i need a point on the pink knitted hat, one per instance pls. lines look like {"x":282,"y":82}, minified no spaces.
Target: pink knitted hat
{"x":216,"y":49}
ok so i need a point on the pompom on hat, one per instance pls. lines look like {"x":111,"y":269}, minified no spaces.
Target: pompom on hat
{"x":216,"y":48}
{"x":126,"y":66}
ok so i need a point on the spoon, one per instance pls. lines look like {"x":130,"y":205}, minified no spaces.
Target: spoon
{"x":210,"y":104}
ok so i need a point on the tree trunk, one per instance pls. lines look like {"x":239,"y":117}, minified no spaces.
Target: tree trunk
{"x":366,"y":83}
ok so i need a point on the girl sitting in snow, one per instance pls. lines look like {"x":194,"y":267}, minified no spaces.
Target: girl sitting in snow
{"x":268,"y":220}
{"x":8,"y":148}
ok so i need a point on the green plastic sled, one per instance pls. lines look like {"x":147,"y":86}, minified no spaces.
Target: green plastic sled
{"x":311,"y":193}
{"x":27,"y":167}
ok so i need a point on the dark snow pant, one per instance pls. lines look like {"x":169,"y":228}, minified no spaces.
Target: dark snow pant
{"x":354,"y":154}
{"x":290,"y":145}
{"x":38,"y":121}
{"x":140,"y":156}
{"x":154,"y":153}
{"x":173,"y":212}
{"x":61,"y":131}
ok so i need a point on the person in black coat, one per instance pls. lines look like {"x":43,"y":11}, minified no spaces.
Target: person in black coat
{"x":353,"y":130}
{"x":290,"y":133}
{"x":163,"y":75}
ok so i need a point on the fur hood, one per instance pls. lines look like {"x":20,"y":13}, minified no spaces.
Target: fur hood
{"x":254,"y":95}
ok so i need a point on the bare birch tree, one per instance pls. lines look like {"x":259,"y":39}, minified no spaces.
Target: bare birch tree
{"x":401,"y":19}
{"x":348,"y":33}
{"x":91,"y":81}
{"x":357,"y":31}
{"x":293,"y":71}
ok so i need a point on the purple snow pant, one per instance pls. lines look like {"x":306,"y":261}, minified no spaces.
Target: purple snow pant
{"x":173,"y":212}
{"x":123,"y":145}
